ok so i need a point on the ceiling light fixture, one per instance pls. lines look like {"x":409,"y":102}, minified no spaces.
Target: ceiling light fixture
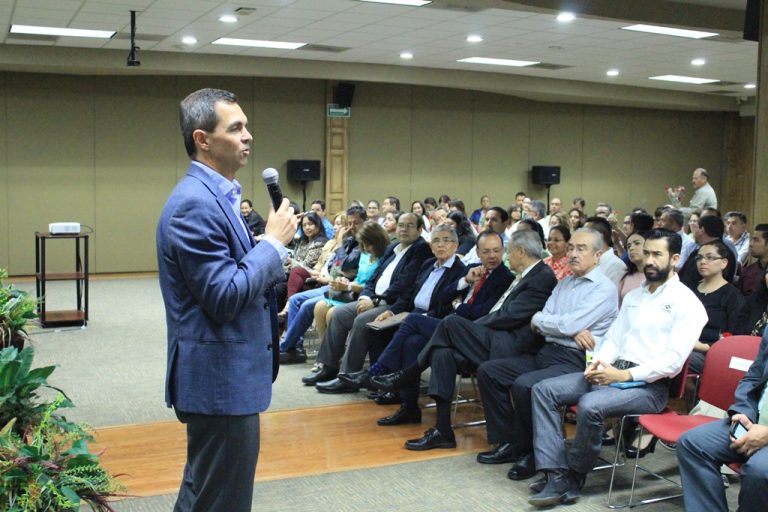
{"x":189,"y":40}
{"x":255,"y":43}
{"x":474,"y":38}
{"x":669,"y":31}
{"x":56,"y":31}
{"x":566,"y":17}
{"x":612,"y":72}
{"x":698,"y":62}
{"x":498,"y":62}
{"x":684,"y":79}
{"x":750,"y":86}
{"x":228,"y":18}
{"x":406,"y":55}
{"x":410,"y":3}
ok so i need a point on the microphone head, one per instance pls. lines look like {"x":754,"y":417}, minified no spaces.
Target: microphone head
{"x":269,"y":175}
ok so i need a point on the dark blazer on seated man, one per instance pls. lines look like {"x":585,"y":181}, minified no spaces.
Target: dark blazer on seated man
{"x":442,"y":294}
{"x":404,"y":274}
{"x":497,"y":281}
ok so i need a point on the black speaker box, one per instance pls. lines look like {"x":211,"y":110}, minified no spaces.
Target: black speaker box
{"x":303,"y":170}
{"x":545,"y":174}
{"x":343,"y":94}
{"x":752,"y":21}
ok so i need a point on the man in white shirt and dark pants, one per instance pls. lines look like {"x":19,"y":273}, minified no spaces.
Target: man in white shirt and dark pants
{"x":649,"y":342}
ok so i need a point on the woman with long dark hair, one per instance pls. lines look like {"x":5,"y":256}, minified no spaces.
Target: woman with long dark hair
{"x":464,"y":231}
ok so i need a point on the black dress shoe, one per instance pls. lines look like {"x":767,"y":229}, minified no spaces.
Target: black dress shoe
{"x":334,"y":387}
{"x":403,"y":416}
{"x":293,"y":356}
{"x":538,"y":485}
{"x":561,"y":487}
{"x":323,"y":375}
{"x":391,"y":381}
{"x":631,"y":451}
{"x":388,"y":398}
{"x":361,"y":379}
{"x":504,"y":453}
{"x":432,"y":438}
{"x":524,"y":468}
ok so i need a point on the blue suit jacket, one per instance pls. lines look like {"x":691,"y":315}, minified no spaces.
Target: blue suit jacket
{"x":493,"y":288}
{"x":442,"y":295}
{"x":214,"y":284}
{"x":751,"y":387}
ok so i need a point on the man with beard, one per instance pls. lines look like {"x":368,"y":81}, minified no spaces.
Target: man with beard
{"x":648,"y":344}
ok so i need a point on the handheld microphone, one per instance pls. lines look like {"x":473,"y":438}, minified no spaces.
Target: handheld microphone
{"x":270,"y":177}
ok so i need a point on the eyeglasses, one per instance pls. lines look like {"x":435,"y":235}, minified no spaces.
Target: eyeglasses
{"x":409,"y":225}
{"x":701,"y":257}
{"x":442,"y":241}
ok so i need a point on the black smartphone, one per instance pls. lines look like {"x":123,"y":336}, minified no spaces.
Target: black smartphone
{"x":737,"y":430}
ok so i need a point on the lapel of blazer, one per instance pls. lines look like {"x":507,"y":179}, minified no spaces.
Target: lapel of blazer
{"x":224,"y":204}
{"x":524,"y":281}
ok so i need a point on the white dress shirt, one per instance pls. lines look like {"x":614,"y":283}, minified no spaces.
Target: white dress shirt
{"x":612,"y":266}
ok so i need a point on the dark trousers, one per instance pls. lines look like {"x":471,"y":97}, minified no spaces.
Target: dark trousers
{"x":222,"y":452}
{"x":701,"y":451}
{"x":512,"y":421}
{"x":410,"y":338}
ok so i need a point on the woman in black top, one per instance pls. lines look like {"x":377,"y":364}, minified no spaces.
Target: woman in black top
{"x":721,"y":299}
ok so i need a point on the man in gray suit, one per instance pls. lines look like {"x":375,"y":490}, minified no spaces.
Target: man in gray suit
{"x":461,"y":344}
{"x":702,"y":450}
{"x":219,"y":306}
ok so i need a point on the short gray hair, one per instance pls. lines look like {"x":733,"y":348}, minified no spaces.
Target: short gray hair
{"x":198,"y":112}
{"x":597,"y":238}
{"x":529,"y":241}
{"x":446,"y":228}
{"x":540,"y":207}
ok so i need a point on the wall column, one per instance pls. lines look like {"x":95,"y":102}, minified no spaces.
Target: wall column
{"x":336,"y":159}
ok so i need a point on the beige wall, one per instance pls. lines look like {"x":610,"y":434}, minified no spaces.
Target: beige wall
{"x":106,"y":151}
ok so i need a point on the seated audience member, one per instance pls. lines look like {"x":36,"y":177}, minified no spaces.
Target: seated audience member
{"x":443,"y":202}
{"x":708,"y":210}
{"x":463,"y":231}
{"x":737,"y":232}
{"x":674,"y":220}
{"x":754,"y":314}
{"x":528,"y":224}
{"x":457,"y":205}
{"x":373,"y":241}
{"x":575,"y":219}
{"x":693,"y":222}
{"x":460,"y":344}
{"x":752,"y":275}
{"x":431,"y":294}
{"x":657,"y":217}
{"x":641,"y":345}
{"x":417,"y":207}
{"x":372,"y":210}
{"x":720,"y":298}
{"x":310,"y":243}
{"x":515,"y":213}
{"x":390,"y":225}
{"x":256,"y":222}
{"x":430,"y":204}
{"x":390,"y":204}
{"x":579,"y":203}
{"x":641,"y":221}
{"x":603,"y":210}
{"x":634,"y":276}
{"x":519,"y":197}
{"x":702,"y":450}
{"x":710,"y":229}
{"x":318,"y":206}
{"x":393,"y":279}
{"x":344,"y":261}
{"x":482,"y":286}
{"x":538,"y":212}
{"x":704,"y":195}
{"x":527,"y":201}
{"x":558,"y":219}
{"x":555,"y":206}
{"x":586,"y":300}
{"x":557,"y":245}
{"x":626,"y":225}
{"x":477,"y":215}
{"x":495,"y":220}
{"x":610,"y":264}
{"x":438,"y":216}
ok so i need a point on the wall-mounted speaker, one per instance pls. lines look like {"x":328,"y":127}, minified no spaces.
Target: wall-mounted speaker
{"x":303,"y":170}
{"x":545,"y":174}
{"x":343,"y":94}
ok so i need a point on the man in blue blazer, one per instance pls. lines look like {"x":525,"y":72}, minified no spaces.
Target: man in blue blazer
{"x":216,"y":287}
{"x":702,"y":450}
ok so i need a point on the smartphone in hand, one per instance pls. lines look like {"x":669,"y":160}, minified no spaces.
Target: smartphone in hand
{"x":737,"y":430}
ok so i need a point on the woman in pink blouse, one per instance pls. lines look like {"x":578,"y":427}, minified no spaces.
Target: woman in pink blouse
{"x":635,"y":275}
{"x":557,"y":245}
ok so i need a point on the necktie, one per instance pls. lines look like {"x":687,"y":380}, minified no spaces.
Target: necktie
{"x":501,"y":300}
{"x":479,"y":284}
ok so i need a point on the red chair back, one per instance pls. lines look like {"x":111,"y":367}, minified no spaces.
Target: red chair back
{"x":726,"y":363}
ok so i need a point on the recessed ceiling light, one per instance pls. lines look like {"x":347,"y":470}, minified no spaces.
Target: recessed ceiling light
{"x":474,"y":38}
{"x":669,"y":31}
{"x":698,"y":62}
{"x":750,"y":86}
{"x":228,"y":18}
{"x":565,"y":17}
{"x":684,"y":79}
{"x":612,"y":72}
{"x":498,"y":62}
{"x":406,"y":55}
{"x":189,"y":40}
{"x":56,"y":31}
{"x":411,"y":3}
{"x":255,"y":43}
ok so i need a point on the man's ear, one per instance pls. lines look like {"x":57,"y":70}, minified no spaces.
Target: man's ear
{"x":201,"y":139}
{"x":674,"y":260}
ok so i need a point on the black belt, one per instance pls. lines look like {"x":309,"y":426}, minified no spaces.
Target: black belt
{"x":623,"y":364}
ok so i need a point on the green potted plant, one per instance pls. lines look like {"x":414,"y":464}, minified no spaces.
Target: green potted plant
{"x":16,"y":310}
